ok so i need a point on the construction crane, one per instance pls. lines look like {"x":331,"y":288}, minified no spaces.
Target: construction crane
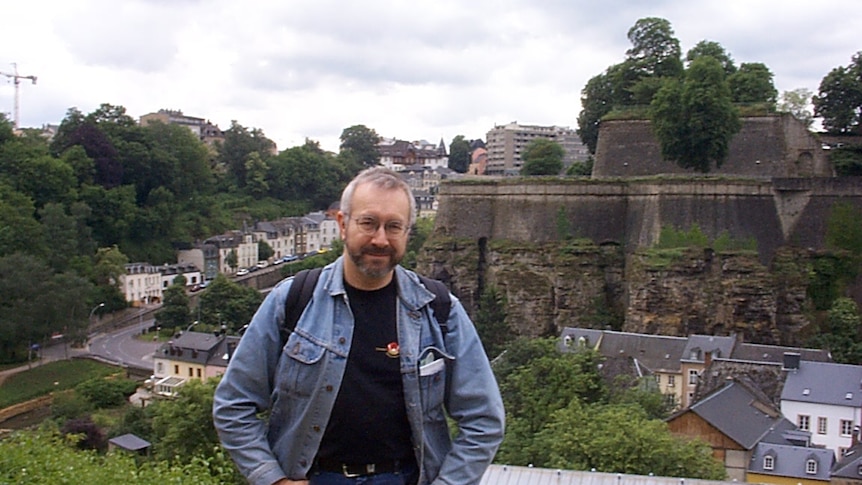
{"x":16,"y":78}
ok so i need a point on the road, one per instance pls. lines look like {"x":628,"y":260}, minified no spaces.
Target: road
{"x":122,"y":348}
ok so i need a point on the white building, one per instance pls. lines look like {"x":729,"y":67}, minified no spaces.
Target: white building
{"x":505,"y":144}
{"x":145,"y":283}
{"x":825,"y":399}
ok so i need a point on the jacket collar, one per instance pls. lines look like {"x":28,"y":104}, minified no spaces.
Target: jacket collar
{"x":410,"y":290}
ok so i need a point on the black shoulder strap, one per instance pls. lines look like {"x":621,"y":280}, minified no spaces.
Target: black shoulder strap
{"x":302,"y":288}
{"x":297,"y":299}
{"x":441,"y":303}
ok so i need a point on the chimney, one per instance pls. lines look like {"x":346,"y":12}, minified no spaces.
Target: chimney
{"x":854,"y":440}
{"x":791,"y":361}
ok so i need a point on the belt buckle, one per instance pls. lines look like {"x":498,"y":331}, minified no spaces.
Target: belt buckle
{"x":369,"y":470}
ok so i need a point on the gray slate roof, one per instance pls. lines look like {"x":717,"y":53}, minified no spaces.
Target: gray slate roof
{"x":699,"y":345}
{"x":790,"y":461}
{"x":850,"y":465}
{"x":656,"y":353}
{"x":736,"y":412}
{"x":824,"y":383}
{"x":775,"y":354}
{"x":520,"y":475}
{"x":129,"y":442}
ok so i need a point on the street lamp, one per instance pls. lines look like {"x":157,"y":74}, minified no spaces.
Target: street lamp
{"x":192,"y":325}
{"x":90,"y":318}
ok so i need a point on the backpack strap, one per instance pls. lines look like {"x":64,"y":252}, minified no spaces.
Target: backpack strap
{"x":441,"y":303}
{"x":298,"y":296}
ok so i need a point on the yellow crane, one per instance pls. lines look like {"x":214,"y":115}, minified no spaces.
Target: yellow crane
{"x":16,"y":79}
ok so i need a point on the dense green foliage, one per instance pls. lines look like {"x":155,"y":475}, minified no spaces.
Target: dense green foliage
{"x":691,"y":108}
{"x":227,"y":303}
{"x":694,"y":119}
{"x":105,"y":393}
{"x":542,"y":157}
{"x":459,"y":154}
{"x":47,"y":457}
{"x":839,"y":99}
{"x":107,"y":191}
{"x":841,"y":332}
{"x":560,"y":413}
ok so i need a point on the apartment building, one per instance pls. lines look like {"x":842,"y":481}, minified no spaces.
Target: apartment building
{"x":505,"y":144}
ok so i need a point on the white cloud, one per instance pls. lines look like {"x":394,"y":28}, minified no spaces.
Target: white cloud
{"x":421,"y":69}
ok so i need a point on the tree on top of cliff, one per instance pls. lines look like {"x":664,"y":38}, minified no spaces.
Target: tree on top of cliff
{"x":839,"y":101}
{"x":654,"y":56}
{"x":694,"y":119}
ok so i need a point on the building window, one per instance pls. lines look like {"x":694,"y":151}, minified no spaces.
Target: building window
{"x":692,"y":377}
{"x":160,"y":367}
{"x":768,"y":462}
{"x":846,"y":427}
{"x":804,"y":422}
{"x":191,"y":372}
{"x":199,"y":373}
{"x":671,"y":381}
{"x":811,"y":466}
{"x":821,"y":425}
{"x":176,"y":369}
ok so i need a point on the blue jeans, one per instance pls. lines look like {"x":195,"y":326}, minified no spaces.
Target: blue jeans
{"x":408,"y":475}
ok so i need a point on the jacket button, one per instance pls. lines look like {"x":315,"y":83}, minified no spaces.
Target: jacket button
{"x":316,"y":428}
{"x":303,"y":462}
{"x":329,"y":388}
{"x":342,"y":340}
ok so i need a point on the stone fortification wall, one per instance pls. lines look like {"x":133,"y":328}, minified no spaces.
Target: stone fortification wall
{"x":767,"y":146}
{"x":632,"y":212}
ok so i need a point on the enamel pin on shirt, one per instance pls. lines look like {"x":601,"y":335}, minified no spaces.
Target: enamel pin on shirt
{"x":392,"y":350}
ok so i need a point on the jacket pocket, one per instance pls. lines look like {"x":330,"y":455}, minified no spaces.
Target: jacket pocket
{"x":301,"y":365}
{"x":432,"y":383}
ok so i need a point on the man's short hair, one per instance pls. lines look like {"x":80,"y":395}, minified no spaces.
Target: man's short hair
{"x":381,"y":178}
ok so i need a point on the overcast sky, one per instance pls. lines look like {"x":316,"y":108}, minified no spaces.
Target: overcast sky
{"x":411,"y":70}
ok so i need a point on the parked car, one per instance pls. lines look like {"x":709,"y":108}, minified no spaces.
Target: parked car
{"x":242,"y":272}
{"x":289,"y":259}
{"x":262,"y":264}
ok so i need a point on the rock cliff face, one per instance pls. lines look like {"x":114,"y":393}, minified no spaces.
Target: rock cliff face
{"x":549,"y":286}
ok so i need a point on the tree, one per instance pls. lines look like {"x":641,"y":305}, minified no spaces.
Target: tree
{"x":622,"y":439}
{"x":653,"y":59}
{"x":228,"y":303}
{"x":542,"y":157}
{"x":308,"y":175}
{"x":581,"y":169}
{"x":175,"y":308}
{"x":109,"y":265}
{"x":361,"y":142}
{"x":490,"y":321}
{"x":841,"y":332}
{"x":796,"y":103}
{"x":655,"y":51}
{"x":714,"y":50}
{"x":183,"y":427}
{"x":839,"y":99}
{"x":232,"y":260}
{"x":695,"y":120}
{"x":752,"y":83}
{"x":239,"y":143}
{"x":19,"y":231}
{"x":264,"y":251}
{"x":597,"y":100}
{"x":459,"y":154}
{"x":255,"y":175}
{"x":546,"y":381}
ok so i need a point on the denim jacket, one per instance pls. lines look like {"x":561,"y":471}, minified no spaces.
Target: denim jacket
{"x":297,"y":385}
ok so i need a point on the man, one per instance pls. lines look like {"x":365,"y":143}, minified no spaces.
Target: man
{"x":361,"y":390}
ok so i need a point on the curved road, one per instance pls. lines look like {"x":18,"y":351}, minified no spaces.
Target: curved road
{"x":122,"y":348}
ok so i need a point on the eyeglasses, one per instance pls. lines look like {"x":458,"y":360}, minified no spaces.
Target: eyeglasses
{"x":370,"y":225}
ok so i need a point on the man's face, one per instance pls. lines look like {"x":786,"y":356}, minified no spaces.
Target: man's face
{"x":373,"y":253}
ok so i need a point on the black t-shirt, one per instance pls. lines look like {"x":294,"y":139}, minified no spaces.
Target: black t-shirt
{"x":369,"y":420}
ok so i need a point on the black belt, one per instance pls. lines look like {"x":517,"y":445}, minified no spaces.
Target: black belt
{"x":358,"y":470}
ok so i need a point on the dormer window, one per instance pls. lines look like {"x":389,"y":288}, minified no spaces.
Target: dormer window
{"x":811,"y":466}
{"x":769,"y":462}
